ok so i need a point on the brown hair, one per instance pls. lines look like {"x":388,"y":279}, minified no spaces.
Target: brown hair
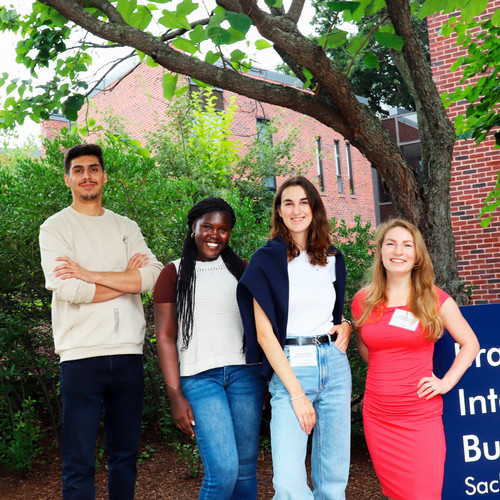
{"x":318,"y":236}
{"x":423,"y":301}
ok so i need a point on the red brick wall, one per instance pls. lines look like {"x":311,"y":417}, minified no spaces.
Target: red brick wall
{"x":139,"y":101}
{"x":52,"y":128}
{"x":474,"y":175}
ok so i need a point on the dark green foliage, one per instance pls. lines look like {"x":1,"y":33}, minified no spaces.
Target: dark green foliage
{"x":155,"y":192}
{"x":146,"y":190}
{"x":19,"y":436}
{"x":356,"y":243}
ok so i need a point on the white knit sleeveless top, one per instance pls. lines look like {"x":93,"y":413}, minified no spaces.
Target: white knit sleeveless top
{"x":217,"y":329}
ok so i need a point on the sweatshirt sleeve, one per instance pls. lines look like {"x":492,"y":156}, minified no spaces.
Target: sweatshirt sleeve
{"x":53,"y":244}
{"x":149,"y":273}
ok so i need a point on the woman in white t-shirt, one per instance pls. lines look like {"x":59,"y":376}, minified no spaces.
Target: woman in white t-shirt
{"x":215,"y":396}
{"x":291,"y":298}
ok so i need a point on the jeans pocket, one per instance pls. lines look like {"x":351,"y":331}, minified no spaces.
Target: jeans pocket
{"x":337,"y":349}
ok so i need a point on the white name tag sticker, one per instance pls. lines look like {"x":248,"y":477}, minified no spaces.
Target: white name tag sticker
{"x":303,"y":355}
{"x":404,"y":319}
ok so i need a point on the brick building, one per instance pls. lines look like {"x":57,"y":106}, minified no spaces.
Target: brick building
{"x":474,"y":173}
{"x":342,"y":174}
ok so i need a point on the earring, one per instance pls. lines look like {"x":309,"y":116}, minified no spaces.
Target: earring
{"x":192,"y":234}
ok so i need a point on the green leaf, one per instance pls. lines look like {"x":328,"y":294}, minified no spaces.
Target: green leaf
{"x":169,"y":84}
{"x":262,"y":44}
{"x":236,"y":36}
{"x":200,"y":84}
{"x":181,"y":90}
{"x":335,"y":38}
{"x":274,"y":3}
{"x":309,"y":76}
{"x":218,"y":15}
{"x":212,"y":57}
{"x":171,"y":20}
{"x":473,"y":8}
{"x":374,"y":6}
{"x":486,"y":222}
{"x":126,"y":8}
{"x":198,"y":34}
{"x":151,"y":62}
{"x":389,"y":40}
{"x":239,"y":21}
{"x":144,"y":152}
{"x":141,"y":18}
{"x":11,"y":87}
{"x":354,"y":45}
{"x":342,"y":6}
{"x":495,"y":18}
{"x":72,"y":105}
{"x":219,"y":36}
{"x":431,"y":7}
{"x":186,"y":7}
{"x":237,"y":55}
{"x":185,"y":45}
{"x":371,"y":60}
{"x":10,"y":102}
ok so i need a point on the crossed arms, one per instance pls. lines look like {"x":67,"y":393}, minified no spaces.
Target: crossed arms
{"x":108,"y":285}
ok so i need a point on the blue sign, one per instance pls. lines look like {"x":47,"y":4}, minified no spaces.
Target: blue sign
{"x":471,"y":414}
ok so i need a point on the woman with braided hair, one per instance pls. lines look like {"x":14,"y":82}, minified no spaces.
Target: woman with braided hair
{"x":215,"y":396}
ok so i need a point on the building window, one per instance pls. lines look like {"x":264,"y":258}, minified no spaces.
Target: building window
{"x":216,"y":93}
{"x":264,"y":134}
{"x":338,"y":167}
{"x":319,"y":162}
{"x":349,"y":166}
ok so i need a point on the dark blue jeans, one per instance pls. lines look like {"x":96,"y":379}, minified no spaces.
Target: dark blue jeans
{"x":117,"y":383}
{"x":227,"y":407}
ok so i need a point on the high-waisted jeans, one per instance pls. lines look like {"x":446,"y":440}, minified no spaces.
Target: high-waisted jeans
{"x":227,"y":406}
{"x":328,"y":387}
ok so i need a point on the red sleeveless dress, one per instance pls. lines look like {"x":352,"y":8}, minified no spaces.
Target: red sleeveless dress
{"x":404,"y":433}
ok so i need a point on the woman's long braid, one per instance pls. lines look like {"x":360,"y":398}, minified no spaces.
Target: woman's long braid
{"x":186,"y":279}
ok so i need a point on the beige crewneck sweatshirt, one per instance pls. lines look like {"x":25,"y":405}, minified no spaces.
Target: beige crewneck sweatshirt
{"x":104,"y":243}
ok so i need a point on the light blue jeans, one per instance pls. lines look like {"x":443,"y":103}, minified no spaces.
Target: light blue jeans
{"x":328,"y":387}
{"x":227,"y":406}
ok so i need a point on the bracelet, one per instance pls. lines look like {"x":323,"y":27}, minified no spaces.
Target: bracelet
{"x":298,"y":397}
{"x":345,"y":320}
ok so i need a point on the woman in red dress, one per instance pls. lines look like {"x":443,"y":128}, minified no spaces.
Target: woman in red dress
{"x":398,"y":317}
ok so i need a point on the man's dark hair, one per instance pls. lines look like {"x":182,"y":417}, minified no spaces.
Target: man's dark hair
{"x":82,"y":150}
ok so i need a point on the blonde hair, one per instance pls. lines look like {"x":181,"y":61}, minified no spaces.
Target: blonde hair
{"x":423,"y":301}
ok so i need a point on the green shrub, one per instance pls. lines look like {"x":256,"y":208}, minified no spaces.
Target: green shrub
{"x":356,"y":243}
{"x":19,"y":436}
{"x":157,"y":192}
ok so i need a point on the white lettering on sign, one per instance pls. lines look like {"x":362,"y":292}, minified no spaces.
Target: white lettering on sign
{"x":478,"y":403}
{"x":473,"y":451}
{"x":492,"y":356}
{"x":481,"y":487}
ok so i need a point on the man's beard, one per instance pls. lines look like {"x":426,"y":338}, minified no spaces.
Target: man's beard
{"x":90,"y":197}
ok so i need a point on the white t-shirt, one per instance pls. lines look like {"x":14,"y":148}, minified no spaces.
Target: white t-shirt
{"x":311,"y":297}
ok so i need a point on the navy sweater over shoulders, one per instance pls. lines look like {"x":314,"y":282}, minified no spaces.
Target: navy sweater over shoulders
{"x":266,"y":280}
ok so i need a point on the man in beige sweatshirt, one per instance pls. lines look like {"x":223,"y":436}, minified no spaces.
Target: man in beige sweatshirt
{"x":97,"y":263}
